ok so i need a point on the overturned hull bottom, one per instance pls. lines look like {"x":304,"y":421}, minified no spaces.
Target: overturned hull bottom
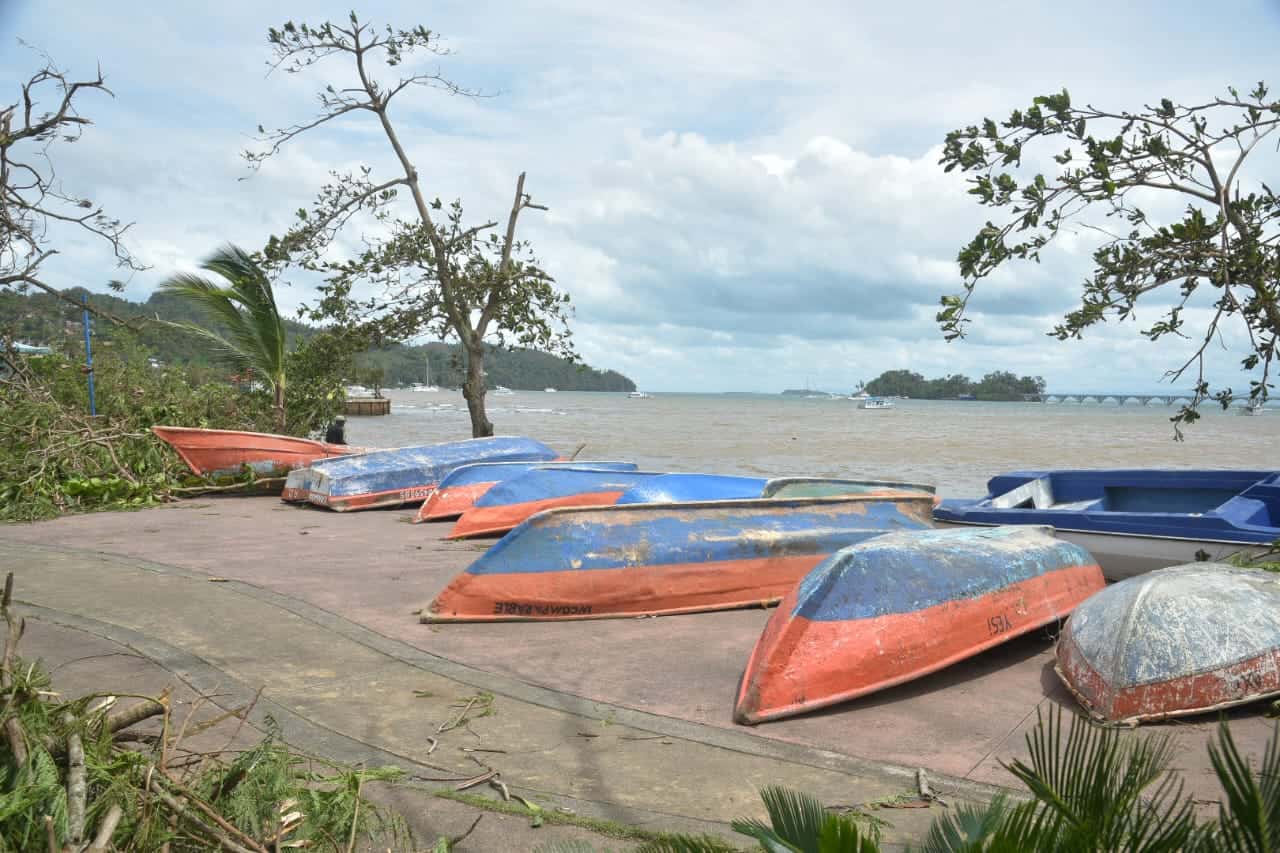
{"x":496,"y":520}
{"x":388,"y":499}
{"x":652,"y":559}
{"x":924,"y":641}
{"x":904,"y":605}
{"x":1213,"y":690}
{"x":451,"y":502}
{"x":645,"y":590}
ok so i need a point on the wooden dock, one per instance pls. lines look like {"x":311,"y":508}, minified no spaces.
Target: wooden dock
{"x":368,"y":406}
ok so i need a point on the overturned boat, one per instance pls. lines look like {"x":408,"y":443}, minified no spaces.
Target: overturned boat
{"x":595,"y":562}
{"x":511,"y":502}
{"x":225,"y":453}
{"x":385,"y":478}
{"x":901,"y":606}
{"x":463,"y":487}
{"x":1178,"y":641}
{"x":1135,"y":521}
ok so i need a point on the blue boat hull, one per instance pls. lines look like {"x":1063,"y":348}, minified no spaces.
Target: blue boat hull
{"x":404,"y":475}
{"x":597,"y":562}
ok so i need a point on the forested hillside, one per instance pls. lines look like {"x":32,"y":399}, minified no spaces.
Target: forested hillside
{"x":44,"y":319}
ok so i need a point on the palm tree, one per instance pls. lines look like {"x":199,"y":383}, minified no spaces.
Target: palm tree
{"x":245,"y":307}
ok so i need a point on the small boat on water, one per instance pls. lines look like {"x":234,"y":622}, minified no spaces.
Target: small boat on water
{"x":648,"y":559}
{"x":1182,"y":640}
{"x":1134,"y":521}
{"x":903,"y":605}
{"x":463,"y":486}
{"x":875,"y":403}
{"x":221,"y":452}
{"x":385,"y":478}
{"x":638,"y":395}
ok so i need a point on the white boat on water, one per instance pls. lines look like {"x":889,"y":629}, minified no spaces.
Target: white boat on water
{"x":549,"y":390}
{"x":638,"y":395}
{"x":875,"y":403}
{"x":502,"y":390}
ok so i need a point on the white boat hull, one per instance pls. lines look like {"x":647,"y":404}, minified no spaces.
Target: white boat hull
{"x":1123,"y":555}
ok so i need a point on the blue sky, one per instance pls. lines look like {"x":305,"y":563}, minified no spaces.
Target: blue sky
{"x":742,"y":196}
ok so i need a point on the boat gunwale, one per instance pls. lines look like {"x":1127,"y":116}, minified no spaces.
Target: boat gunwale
{"x":1116,"y":533}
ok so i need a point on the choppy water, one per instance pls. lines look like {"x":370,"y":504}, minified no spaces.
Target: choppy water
{"x":955,"y":445}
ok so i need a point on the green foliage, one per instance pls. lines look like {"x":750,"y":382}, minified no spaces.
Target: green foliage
{"x":518,"y":368}
{"x":432,"y":274}
{"x":59,"y":459}
{"x":998,"y":385}
{"x":252,"y":334}
{"x":1110,"y":163}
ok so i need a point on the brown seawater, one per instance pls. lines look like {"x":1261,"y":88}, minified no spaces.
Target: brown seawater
{"x":955,"y":445}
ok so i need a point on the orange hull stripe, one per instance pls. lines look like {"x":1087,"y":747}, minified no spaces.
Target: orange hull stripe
{"x":482,"y":520}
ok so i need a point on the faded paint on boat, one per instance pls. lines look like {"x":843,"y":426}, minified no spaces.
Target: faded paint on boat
{"x":462,"y":487}
{"x":1178,"y":641}
{"x":222,"y":452}
{"x":511,"y":502}
{"x":677,"y":488}
{"x":403,"y":475}
{"x":598,"y":562}
{"x":901,"y":606}
{"x":817,"y":487}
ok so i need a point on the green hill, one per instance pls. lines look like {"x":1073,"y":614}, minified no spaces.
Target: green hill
{"x":43,"y":319}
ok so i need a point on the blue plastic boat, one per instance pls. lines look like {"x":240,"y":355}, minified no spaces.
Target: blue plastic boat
{"x":403,"y":475}
{"x":1135,"y":521}
{"x":459,"y":491}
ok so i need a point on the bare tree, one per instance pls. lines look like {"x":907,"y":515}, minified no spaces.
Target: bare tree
{"x":437,"y":274}
{"x":33,"y":201}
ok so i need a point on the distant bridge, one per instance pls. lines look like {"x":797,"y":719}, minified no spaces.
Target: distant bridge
{"x":1120,"y":397}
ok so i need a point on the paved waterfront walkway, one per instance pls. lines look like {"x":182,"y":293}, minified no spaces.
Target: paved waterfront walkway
{"x":621,"y":719}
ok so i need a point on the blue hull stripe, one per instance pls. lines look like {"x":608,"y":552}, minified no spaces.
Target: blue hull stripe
{"x":546,"y":483}
{"x":414,"y":467}
{"x":496,"y":472}
{"x":662,"y":534}
{"x":671,"y":488}
{"x":912,"y":572}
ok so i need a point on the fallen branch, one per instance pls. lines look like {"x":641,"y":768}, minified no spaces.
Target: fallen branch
{"x":136,"y":713}
{"x":186,"y":814}
{"x":208,"y":810}
{"x":102,"y":841}
{"x":77,"y":788}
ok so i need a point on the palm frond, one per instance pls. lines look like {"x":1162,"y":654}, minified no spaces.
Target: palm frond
{"x":969,"y":829}
{"x":244,"y":306}
{"x":1092,"y":791}
{"x":796,"y":821}
{"x":1249,"y":820}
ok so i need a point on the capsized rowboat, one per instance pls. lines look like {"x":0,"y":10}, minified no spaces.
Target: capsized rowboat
{"x":403,"y":475}
{"x":711,"y":487}
{"x":1134,"y":521}
{"x":1181,"y":640}
{"x":596,"y":562}
{"x":512,"y":501}
{"x":224,"y":452}
{"x":462,"y":487}
{"x":901,"y":606}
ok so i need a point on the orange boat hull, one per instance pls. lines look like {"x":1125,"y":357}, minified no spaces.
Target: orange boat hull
{"x":220,"y":452}
{"x":451,"y":502}
{"x":488,"y":520}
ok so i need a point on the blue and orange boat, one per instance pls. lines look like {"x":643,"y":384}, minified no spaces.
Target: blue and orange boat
{"x":506,"y":505}
{"x":509,"y":503}
{"x":463,"y":487}
{"x":646,"y":559}
{"x":385,"y":478}
{"x":1182,"y":640}
{"x":904,"y":605}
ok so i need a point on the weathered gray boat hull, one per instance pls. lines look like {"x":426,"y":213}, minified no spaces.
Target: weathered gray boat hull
{"x":1126,"y":555}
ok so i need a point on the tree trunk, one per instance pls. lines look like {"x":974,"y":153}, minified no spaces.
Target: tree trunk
{"x":473,"y":390}
{"x":279,"y":406}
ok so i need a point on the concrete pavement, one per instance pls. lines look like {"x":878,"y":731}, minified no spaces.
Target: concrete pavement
{"x":625,"y":719}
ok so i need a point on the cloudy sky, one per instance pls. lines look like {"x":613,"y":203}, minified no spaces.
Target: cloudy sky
{"x":743,"y":196}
